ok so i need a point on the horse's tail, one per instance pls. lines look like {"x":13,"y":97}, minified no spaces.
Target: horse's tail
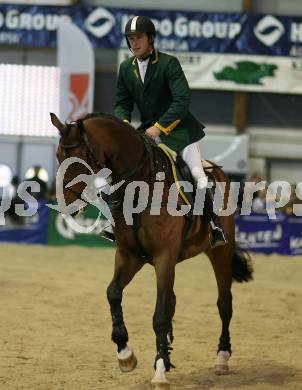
{"x":242,"y":269}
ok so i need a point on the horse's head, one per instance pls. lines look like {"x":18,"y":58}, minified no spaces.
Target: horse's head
{"x":101,"y":144}
{"x":73,"y":157}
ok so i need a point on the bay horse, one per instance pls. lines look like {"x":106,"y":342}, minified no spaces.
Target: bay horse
{"x":102,"y":140}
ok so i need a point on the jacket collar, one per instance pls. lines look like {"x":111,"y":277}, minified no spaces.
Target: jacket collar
{"x":153,"y":58}
{"x":150,"y":69}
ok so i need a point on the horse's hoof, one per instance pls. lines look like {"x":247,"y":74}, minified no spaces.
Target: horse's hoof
{"x":128,"y":364}
{"x":221,"y":366}
{"x":160,"y":385}
{"x":159,"y":381}
{"x":221,"y":369}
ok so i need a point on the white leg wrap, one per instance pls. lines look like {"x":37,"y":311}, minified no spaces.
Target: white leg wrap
{"x":125,"y":353}
{"x":222,"y":358}
{"x":160,"y":371}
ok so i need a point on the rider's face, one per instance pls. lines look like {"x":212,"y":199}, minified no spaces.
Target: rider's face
{"x":140,"y":44}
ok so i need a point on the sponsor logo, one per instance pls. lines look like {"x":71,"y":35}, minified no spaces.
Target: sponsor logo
{"x":270,"y":238}
{"x":100,"y":22}
{"x":269,"y":30}
{"x":13,"y":19}
{"x":78,"y":96}
{"x":295,"y":242}
{"x":246,"y":72}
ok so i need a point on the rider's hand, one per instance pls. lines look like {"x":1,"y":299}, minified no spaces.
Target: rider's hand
{"x":153,"y":132}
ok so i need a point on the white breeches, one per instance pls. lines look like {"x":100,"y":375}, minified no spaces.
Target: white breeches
{"x":191,"y":155}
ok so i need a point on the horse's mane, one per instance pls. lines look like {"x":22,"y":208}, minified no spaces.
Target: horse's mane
{"x":69,"y":126}
{"x":109,"y":116}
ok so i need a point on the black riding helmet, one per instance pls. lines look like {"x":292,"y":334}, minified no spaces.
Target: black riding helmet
{"x":140,"y":24}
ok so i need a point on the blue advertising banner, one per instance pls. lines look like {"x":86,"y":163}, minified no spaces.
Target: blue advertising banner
{"x":208,"y":32}
{"x":33,"y":231}
{"x":258,"y":233}
{"x":294,"y":236}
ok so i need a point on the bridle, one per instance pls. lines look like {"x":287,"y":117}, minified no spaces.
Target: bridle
{"x":91,"y":160}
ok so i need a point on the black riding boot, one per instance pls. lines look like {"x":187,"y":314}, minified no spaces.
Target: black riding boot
{"x":218,"y":237}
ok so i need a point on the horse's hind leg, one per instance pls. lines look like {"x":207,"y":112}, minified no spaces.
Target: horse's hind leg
{"x":221,"y":259}
{"x":125,"y":268}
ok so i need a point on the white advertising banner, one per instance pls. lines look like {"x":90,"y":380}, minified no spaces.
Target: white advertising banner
{"x":76,"y":63}
{"x":239,"y":72}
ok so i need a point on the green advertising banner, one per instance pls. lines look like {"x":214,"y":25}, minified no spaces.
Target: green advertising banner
{"x":61,"y":233}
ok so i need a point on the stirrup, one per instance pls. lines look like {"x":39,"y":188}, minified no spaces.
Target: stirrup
{"x":217,"y":236}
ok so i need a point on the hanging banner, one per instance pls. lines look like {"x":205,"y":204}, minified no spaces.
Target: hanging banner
{"x":76,"y":63}
{"x":226,"y":51}
{"x":238,"y":72}
{"x":207,"y":32}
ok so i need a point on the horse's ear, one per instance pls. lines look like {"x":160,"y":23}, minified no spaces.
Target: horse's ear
{"x":56,"y":122}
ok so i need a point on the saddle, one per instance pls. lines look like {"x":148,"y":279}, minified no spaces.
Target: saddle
{"x":182,"y":174}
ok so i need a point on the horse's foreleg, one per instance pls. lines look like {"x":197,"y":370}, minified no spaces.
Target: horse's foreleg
{"x":224,"y":304}
{"x":162,"y":319}
{"x":172,"y":306}
{"x":125,"y":269}
{"x":222,"y":263}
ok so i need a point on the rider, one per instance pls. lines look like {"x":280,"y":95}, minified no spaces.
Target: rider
{"x":155,"y":82}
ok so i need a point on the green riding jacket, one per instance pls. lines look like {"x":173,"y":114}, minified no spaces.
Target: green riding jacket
{"x":162,"y":100}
